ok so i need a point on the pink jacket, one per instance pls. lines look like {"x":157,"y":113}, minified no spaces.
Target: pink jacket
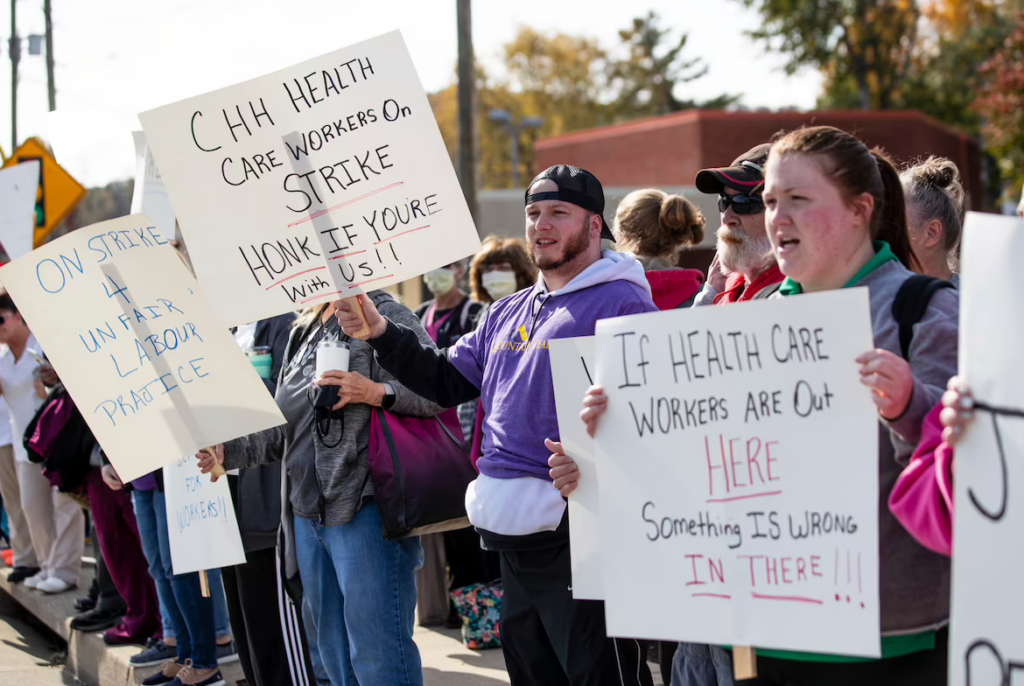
{"x":922,"y":499}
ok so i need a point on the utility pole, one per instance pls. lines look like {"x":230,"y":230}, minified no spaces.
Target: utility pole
{"x":467,"y":99}
{"x":49,"y":56}
{"x":15,"y":57}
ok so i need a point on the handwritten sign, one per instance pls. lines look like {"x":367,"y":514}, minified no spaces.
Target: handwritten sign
{"x":986,"y":643}
{"x":201,"y":524}
{"x":738,"y":475}
{"x":572,"y":364}
{"x":129,"y":333}
{"x":18,"y":187}
{"x":149,"y":195}
{"x":326,"y":179}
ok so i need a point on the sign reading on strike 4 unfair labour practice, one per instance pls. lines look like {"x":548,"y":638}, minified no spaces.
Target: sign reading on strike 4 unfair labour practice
{"x":738,"y":475}
{"x":122,"y":320}
{"x":986,"y":641}
{"x":323,"y":180}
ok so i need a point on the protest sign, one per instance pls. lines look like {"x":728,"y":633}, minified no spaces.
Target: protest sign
{"x":18,"y":186}
{"x":986,"y":642}
{"x":572,"y":360}
{"x":201,"y":523}
{"x":320,"y":181}
{"x":149,"y":195}
{"x":126,"y":328}
{"x":738,"y":475}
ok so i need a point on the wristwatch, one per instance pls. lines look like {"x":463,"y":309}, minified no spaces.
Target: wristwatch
{"x":389,"y":396}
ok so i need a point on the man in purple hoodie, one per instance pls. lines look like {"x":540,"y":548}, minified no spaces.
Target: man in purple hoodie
{"x":547,"y":636}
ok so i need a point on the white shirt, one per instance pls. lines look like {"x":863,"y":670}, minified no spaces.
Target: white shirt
{"x":19,"y":390}
{"x":6,"y":434}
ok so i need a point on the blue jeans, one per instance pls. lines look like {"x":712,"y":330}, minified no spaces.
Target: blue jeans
{"x":696,"y":664}
{"x":191,"y":616}
{"x":361,"y":591}
{"x":159,"y":557}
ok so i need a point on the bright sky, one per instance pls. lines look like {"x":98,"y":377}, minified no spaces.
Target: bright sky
{"x":119,"y":57}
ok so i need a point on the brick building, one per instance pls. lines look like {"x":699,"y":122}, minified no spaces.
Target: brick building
{"x":667,"y":152}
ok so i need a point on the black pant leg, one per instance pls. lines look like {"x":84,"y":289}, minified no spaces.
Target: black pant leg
{"x":109,"y":598}
{"x":229,"y":575}
{"x":576,"y":628}
{"x":529,"y":656}
{"x":258,"y":593}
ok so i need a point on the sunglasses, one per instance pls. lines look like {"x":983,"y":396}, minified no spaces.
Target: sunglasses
{"x":741,"y":204}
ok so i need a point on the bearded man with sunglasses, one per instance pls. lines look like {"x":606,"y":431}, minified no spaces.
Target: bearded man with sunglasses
{"x":744,"y":267}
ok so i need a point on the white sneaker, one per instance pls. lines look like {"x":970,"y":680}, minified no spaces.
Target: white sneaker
{"x":54,"y":585}
{"x":34,"y":581}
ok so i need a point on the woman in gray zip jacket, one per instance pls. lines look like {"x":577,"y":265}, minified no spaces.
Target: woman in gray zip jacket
{"x":360,"y":588}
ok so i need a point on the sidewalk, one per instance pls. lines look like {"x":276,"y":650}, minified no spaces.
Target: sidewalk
{"x":446,"y":662}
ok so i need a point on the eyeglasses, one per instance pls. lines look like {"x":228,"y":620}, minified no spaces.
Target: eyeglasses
{"x":741,"y":204}
{"x":3,"y":319}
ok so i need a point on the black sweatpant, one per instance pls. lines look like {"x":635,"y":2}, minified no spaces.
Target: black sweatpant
{"x":925,"y":668}
{"x":260,"y":611}
{"x":550,"y":639}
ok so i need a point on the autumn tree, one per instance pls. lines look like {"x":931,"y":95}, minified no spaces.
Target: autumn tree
{"x":865,"y":47}
{"x":1001,"y":102}
{"x":647,"y":79}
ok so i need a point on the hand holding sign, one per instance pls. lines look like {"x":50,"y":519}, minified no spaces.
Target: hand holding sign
{"x":359,"y":318}
{"x":211,"y":461}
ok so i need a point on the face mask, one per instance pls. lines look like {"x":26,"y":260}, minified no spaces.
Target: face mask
{"x":499,"y":284}
{"x":440,"y":281}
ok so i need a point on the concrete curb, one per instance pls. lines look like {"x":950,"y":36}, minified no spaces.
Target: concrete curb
{"x":90,"y":660}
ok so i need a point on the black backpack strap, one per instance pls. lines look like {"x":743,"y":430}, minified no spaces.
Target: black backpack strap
{"x":911,"y":303}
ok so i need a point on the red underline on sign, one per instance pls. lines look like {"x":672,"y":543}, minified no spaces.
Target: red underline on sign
{"x":744,"y":497}
{"x":399,"y":235}
{"x":315,"y":297}
{"x":348,"y":254}
{"x":711,"y":595}
{"x":788,"y":598}
{"x":386,"y":276}
{"x":293,"y":276}
{"x":347,"y":202}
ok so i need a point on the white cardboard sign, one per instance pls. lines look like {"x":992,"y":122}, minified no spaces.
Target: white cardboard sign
{"x":18,"y":186}
{"x":738,"y":475}
{"x":572,"y":365}
{"x":128,"y":331}
{"x":986,"y":641}
{"x":323,"y":180}
{"x":149,"y":196}
{"x":201,"y":523}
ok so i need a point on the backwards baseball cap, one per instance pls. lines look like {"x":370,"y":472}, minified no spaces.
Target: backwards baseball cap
{"x":745,"y":174}
{"x":576,"y":186}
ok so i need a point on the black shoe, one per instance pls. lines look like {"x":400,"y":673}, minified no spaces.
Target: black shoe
{"x":21,"y":573}
{"x":88,"y":602}
{"x":97,"y":620}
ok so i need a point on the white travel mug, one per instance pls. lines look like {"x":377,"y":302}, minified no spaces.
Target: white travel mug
{"x":331,"y":356}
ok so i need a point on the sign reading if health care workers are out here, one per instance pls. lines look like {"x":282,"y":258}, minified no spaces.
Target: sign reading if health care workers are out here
{"x":737,"y":469}
{"x":131,"y":337}
{"x":323,"y":180}
{"x":986,"y":645}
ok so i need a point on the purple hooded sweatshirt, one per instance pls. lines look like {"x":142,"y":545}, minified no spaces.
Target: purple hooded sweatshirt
{"x":507,"y":359}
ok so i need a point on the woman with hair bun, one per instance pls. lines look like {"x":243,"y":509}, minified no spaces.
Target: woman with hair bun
{"x":935,"y":212}
{"x":654,"y":226}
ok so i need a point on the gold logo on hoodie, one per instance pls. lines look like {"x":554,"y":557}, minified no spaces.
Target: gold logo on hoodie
{"x":523,"y":333}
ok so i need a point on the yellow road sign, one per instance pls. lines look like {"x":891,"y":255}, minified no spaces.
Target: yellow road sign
{"x":58,"y":191}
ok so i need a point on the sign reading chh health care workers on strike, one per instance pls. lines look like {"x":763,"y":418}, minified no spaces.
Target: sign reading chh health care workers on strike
{"x":323,"y":180}
{"x":201,"y":524}
{"x":132,"y":339}
{"x":738,"y":475}
{"x":986,"y":642}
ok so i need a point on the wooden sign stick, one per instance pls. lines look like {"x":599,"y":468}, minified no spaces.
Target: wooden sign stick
{"x":744,"y":662}
{"x":217,"y":472}
{"x":356,"y":306}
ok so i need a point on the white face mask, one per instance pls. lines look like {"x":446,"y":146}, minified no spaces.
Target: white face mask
{"x":440,"y":281}
{"x":499,"y":284}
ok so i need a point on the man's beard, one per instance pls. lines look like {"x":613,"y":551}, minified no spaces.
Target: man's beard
{"x":740,"y":253}
{"x":576,"y":244}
